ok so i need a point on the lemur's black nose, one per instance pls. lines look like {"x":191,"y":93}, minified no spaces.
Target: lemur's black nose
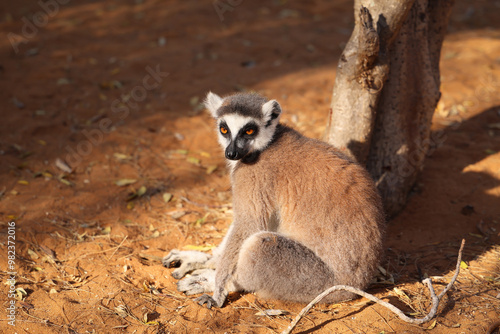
{"x":232,"y":155}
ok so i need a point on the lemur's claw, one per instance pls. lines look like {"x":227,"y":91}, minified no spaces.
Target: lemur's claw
{"x":206,"y":299}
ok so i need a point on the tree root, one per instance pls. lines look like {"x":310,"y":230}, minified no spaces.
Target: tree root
{"x":435,"y":299}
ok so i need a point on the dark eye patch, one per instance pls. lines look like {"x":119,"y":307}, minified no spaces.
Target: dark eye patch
{"x":250,"y":127}
{"x":222,"y":126}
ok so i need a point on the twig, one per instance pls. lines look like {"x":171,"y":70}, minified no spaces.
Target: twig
{"x":435,"y":299}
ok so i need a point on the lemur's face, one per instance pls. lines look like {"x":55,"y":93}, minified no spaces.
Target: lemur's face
{"x":246,"y":122}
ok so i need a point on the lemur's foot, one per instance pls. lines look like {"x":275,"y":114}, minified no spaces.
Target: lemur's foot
{"x":186,"y":261}
{"x":200,"y":281}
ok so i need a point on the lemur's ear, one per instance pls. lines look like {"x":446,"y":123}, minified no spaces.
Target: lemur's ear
{"x":213,"y":103}
{"x":271,"y":111}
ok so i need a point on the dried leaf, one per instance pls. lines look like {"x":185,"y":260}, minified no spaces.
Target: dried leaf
{"x":52,"y":291}
{"x":142,"y":190}
{"x":32,"y":254}
{"x":193,"y":160}
{"x":211,"y":169}
{"x":167,"y":197}
{"x":177,"y":214}
{"x":125,"y":182}
{"x":201,"y":221}
{"x":64,"y":181}
{"x":121,"y":310}
{"x":20,"y":293}
{"x":382,"y":270}
{"x":205,"y":154}
{"x":434,"y":323}
{"x":23,"y":182}
{"x":63,"y":166}
{"x":121,"y":156}
{"x":272,"y":312}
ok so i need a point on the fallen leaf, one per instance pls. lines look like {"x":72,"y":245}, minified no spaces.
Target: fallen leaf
{"x":106,"y":230}
{"x":272,"y":312}
{"x":463,"y":265}
{"x":167,"y":197}
{"x":125,"y":182}
{"x":177,"y":214}
{"x":121,"y":311}
{"x":64,"y":181}
{"x":193,"y":160}
{"x":142,"y":190}
{"x":20,"y":292}
{"x":63,"y":166}
{"x":211,"y":169}
{"x":205,"y":154}
{"x":23,"y":182}
{"x":52,"y":291}
{"x":121,"y":156}
{"x":32,"y":254}
{"x":434,"y":323}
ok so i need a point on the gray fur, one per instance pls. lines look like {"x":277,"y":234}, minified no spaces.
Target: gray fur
{"x":306,"y":217}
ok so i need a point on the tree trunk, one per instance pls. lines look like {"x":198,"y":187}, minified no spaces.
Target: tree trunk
{"x":386,"y":90}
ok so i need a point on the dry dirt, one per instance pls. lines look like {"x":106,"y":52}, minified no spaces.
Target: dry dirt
{"x":80,"y":89}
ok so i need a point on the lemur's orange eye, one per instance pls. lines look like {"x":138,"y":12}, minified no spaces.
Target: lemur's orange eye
{"x":250,"y":131}
{"x":223,"y":130}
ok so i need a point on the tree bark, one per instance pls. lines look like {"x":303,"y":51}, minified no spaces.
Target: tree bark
{"x":386,"y":90}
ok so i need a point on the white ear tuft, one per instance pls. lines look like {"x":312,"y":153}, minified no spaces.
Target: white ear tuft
{"x":213,"y":103}
{"x":271,"y":110}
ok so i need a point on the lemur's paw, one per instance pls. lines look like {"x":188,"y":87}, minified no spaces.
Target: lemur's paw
{"x":206,"y":300}
{"x":200,"y":281}
{"x":186,"y":261}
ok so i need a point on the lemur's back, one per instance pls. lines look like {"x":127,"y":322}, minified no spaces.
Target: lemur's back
{"x":313,"y":180}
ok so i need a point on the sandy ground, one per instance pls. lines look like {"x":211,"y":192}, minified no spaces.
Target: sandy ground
{"x":114,"y":89}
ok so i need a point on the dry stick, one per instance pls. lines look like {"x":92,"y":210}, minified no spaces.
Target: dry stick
{"x":402,"y":316}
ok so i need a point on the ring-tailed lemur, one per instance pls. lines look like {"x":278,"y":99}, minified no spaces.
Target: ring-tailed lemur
{"x":306,"y":216}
